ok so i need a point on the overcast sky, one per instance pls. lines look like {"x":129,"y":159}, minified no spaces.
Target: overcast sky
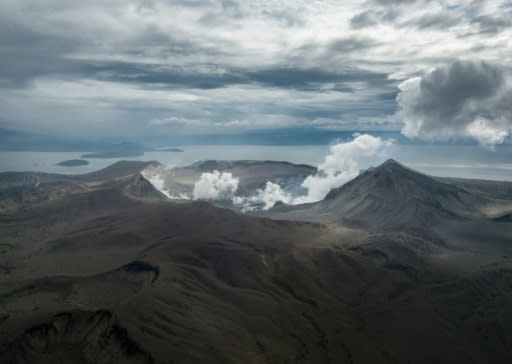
{"x":433,"y":69}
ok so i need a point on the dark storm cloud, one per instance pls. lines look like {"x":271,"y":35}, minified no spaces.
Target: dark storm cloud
{"x":463,"y":98}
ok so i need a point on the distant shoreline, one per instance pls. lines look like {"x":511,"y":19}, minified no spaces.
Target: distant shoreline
{"x":110,"y":155}
{"x":73,"y":163}
{"x":175,"y":150}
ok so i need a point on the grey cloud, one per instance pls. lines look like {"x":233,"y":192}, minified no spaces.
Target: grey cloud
{"x":473,"y":14}
{"x":489,"y":24}
{"x":285,"y":18}
{"x":396,"y":2}
{"x":434,"y":21}
{"x":350,"y":45}
{"x":164,"y":76}
{"x":25,"y":54}
{"x":211,"y":76}
{"x":372,"y":17}
{"x":390,"y":4}
{"x":155,"y":59}
{"x":305,"y":78}
{"x":438,"y":20}
{"x":462,"y":99}
{"x":364,"y":19}
{"x":234,"y":10}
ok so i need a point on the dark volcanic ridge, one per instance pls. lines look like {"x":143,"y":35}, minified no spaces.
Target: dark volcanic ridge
{"x":21,"y":189}
{"x":77,"y":337}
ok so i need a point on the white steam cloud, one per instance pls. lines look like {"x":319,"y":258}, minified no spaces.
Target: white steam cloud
{"x":343,"y":164}
{"x":264,"y":198}
{"x":271,"y":194}
{"x":215,"y":186}
{"x":155,"y":176}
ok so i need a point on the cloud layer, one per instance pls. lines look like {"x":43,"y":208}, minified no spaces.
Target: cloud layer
{"x":463,"y":99}
{"x":138,"y":67}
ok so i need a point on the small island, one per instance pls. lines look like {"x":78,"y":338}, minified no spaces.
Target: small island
{"x":73,"y":163}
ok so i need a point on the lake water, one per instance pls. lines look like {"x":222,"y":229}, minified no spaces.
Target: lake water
{"x":440,"y":160}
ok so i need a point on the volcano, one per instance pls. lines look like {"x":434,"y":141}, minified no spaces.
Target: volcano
{"x":394,"y":266}
{"x":392,"y":197}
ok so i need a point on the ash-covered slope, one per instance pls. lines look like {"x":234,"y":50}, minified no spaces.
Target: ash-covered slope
{"x":394,"y":197}
{"x":140,"y":188}
{"x":102,"y":277}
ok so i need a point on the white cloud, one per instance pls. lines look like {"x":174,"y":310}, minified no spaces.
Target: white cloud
{"x":488,"y":134}
{"x":215,"y":186}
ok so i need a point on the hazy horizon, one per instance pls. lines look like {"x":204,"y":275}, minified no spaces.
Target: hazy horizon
{"x":467,"y":161}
